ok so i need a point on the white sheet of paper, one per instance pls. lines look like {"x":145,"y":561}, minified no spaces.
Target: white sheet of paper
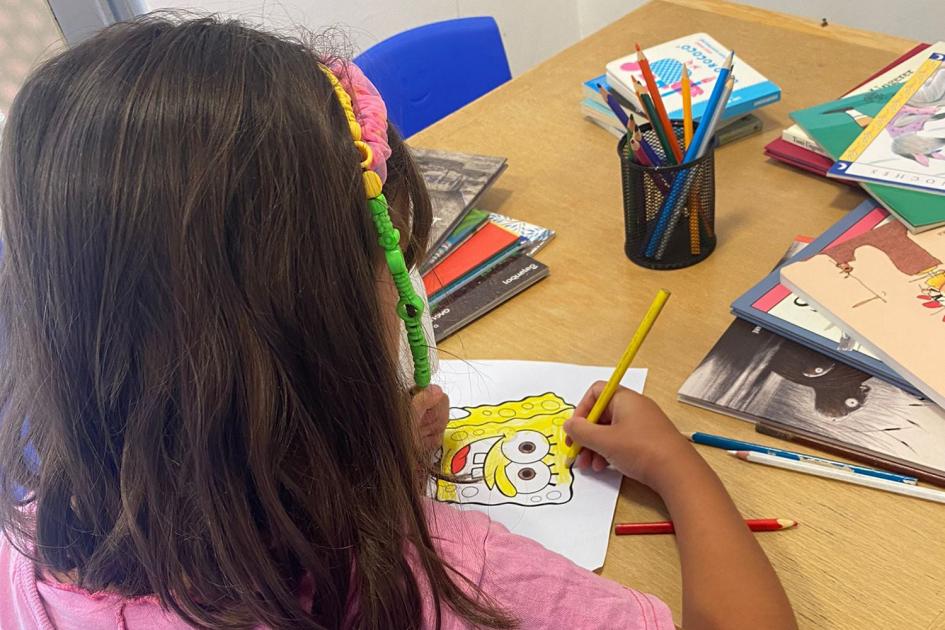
{"x":509,"y":443}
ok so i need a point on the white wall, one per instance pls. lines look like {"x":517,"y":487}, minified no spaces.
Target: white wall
{"x":533,"y":30}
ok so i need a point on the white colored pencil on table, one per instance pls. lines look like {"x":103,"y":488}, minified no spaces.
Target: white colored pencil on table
{"x":841,"y":475}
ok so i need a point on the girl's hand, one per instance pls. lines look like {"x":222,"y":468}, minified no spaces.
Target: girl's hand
{"x":431,"y":411}
{"x":633,"y":435}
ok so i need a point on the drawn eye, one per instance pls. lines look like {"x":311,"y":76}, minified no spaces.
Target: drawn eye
{"x":851,"y":403}
{"x":528,"y":478}
{"x":526,"y":447}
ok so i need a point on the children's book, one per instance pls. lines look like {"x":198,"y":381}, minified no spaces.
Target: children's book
{"x":773,"y":306}
{"x":755,"y":375}
{"x":704,"y":57}
{"x":467,"y":226}
{"x":470,"y":276}
{"x":536,"y":235}
{"x":490,"y":241}
{"x":885,"y":287}
{"x":904,"y":144}
{"x":895,"y":73}
{"x":504,"y":444}
{"x":455,"y":182}
{"x":837,"y":124}
{"x":485,"y":293}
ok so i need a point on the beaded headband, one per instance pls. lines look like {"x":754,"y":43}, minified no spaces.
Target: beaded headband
{"x":410,"y":305}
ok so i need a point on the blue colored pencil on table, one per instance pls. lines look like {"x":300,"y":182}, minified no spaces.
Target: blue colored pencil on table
{"x":729,"y":444}
{"x":701,"y":137}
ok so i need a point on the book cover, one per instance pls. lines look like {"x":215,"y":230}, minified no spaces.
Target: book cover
{"x":455,"y":182}
{"x":755,"y":375}
{"x":485,"y":293}
{"x":885,"y":287}
{"x":904,"y":144}
{"x":773,"y":306}
{"x":481,"y":269}
{"x":704,"y":57}
{"x":486,"y":243}
{"x":536,"y":235}
{"x":467,"y":226}
{"x":895,"y":73}
{"x":837,"y":124}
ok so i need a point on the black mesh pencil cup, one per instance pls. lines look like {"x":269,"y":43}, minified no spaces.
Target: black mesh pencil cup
{"x":669,"y":211}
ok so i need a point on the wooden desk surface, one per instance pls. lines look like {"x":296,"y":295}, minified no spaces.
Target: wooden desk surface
{"x":861,"y":558}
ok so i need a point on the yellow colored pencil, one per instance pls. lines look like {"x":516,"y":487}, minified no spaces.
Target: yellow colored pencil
{"x":611,"y":388}
{"x":687,"y":107}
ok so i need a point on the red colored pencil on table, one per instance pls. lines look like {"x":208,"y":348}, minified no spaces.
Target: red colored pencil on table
{"x":666,"y":527}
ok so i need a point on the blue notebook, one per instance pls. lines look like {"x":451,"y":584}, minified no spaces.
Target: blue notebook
{"x":773,"y":306}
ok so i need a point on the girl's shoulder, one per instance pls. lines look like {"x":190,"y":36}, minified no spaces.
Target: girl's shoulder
{"x":540,"y":587}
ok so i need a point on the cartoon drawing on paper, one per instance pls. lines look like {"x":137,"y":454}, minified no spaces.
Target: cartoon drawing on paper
{"x":507,"y":453}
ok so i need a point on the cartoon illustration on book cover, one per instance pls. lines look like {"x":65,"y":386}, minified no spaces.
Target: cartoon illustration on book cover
{"x":885,"y":285}
{"x":507,"y":453}
{"x":904,"y":145}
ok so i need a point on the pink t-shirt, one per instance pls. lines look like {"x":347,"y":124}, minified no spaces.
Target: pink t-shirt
{"x":541,"y":588}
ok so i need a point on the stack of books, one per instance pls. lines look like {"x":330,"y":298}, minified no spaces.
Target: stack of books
{"x":822,"y":133}
{"x":476,"y":259}
{"x":840,"y":345}
{"x":703,"y":56}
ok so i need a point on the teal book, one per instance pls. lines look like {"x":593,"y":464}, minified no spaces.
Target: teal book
{"x":835,"y":126}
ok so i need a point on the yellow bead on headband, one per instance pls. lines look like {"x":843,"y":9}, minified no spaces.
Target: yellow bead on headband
{"x":410,"y":305}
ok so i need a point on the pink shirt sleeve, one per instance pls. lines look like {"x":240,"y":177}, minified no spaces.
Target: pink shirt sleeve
{"x":539,"y":587}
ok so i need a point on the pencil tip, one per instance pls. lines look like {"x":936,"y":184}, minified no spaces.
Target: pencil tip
{"x":787,"y":523}
{"x":688,"y":434}
{"x":637,"y":46}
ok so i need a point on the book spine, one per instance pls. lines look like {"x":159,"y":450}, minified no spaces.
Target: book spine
{"x":796,"y":136}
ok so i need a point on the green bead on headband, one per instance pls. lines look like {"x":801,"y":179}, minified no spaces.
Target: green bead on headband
{"x":409,"y":305}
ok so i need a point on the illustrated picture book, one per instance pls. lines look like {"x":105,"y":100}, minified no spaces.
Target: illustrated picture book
{"x":836,"y":124}
{"x":485,"y":293}
{"x":904,"y":144}
{"x":895,"y":73}
{"x":704,"y":57}
{"x":758,"y":376}
{"x":505,"y":445}
{"x":455,"y":182}
{"x":885,"y":287}
{"x":773,"y":306}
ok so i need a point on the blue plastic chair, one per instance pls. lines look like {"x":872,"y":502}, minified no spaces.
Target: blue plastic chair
{"x":430,"y":71}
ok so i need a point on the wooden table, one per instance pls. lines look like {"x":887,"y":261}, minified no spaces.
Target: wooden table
{"x":862,"y":558}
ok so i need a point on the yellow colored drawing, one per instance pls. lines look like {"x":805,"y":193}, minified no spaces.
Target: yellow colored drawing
{"x":512,"y":452}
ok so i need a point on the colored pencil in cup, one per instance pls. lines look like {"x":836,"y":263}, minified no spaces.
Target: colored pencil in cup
{"x":666,"y":527}
{"x":654,"y":91}
{"x":669,"y":214}
{"x":652,"y":157}
{"x":695,"y":242}
{"x":841,"y":475}
{"x":611,"y":388}
{"x":614,"y":105}
{"x":686,"y":107}
{"x":654,"y":121}
{"x":729,"y":444}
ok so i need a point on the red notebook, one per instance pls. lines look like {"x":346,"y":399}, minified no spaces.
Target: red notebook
{"x":480,"y":247}
{"x":799,"y":157}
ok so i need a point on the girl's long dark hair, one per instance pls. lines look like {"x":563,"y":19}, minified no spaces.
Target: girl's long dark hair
{"x":199,"y":401}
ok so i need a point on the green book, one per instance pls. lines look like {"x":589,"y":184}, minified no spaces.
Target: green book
{"x":835,"y":125}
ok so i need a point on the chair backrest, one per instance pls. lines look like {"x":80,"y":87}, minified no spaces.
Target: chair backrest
{"x":430,"y":71}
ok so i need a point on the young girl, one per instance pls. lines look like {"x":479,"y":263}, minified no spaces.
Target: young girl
{"x":204,"y":420}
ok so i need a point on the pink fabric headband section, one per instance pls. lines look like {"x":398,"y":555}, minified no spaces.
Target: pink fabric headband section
{"x":370,"y":111}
